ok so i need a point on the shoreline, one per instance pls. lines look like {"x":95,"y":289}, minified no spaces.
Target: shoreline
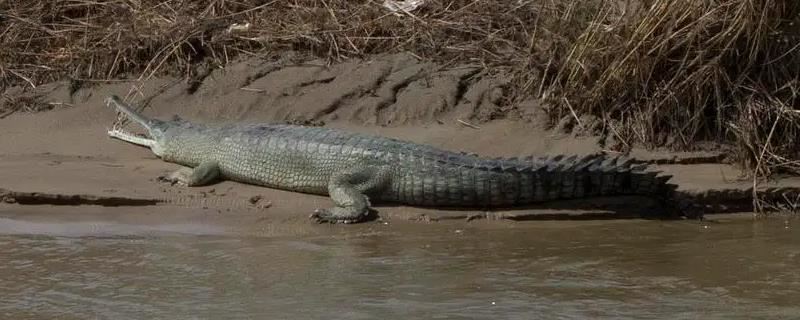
{"x":64,"y":157}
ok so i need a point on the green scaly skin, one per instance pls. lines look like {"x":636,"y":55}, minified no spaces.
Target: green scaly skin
{"x":354,"y":168}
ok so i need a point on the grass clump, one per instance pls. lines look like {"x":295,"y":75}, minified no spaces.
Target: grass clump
{"x":671,"y":73}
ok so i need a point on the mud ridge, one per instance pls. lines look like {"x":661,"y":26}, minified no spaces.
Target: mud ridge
{"x":389,"y":88}
{"x":39,"y":198}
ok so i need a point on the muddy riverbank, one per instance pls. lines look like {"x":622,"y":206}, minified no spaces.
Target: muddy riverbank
{"x":87,"y":230}
{"x":63,"y":157}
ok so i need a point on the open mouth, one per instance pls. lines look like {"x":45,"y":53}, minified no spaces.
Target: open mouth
{"x":126,"y":113}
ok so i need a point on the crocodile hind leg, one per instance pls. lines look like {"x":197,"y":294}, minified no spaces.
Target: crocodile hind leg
{"x":204,"y":174}
{"x":348,"y":190}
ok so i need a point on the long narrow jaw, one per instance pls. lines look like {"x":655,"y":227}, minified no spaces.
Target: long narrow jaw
{"x":117,"y":132}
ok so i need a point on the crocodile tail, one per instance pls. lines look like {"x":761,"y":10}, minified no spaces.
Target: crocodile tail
{"x":468,"y":180}
{"x":601,"y":175}
{"x":598,"y":175}
{"x":512,"y":181}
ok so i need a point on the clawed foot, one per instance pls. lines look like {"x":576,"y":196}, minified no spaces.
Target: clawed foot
{"x":332,"y":216}
{"x":174,"y":178}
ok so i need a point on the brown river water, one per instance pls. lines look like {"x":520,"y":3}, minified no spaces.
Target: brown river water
{"x":631,"y":269}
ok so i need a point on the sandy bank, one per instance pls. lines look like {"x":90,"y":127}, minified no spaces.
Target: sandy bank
{"x":63,"y":158}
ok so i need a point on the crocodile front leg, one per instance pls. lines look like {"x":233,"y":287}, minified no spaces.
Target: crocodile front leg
{"x":204,"y":174}
{"x":348,"y":191}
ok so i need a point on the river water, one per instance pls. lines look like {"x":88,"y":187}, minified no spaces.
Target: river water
{"x":733,"y":269}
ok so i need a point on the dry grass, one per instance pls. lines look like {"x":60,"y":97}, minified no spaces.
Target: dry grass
{"x":95,"y":40}
{"x":676,"y":72}
{"x":657,"y":72}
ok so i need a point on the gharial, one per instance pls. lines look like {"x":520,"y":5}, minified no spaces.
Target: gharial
{"x":354,"y":169}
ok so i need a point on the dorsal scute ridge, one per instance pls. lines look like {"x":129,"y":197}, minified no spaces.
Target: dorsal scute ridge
{"x":625,"y":161}
{"x":551,"y":163}
{"x":585,"y":162}
{"x":597,"y":162}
